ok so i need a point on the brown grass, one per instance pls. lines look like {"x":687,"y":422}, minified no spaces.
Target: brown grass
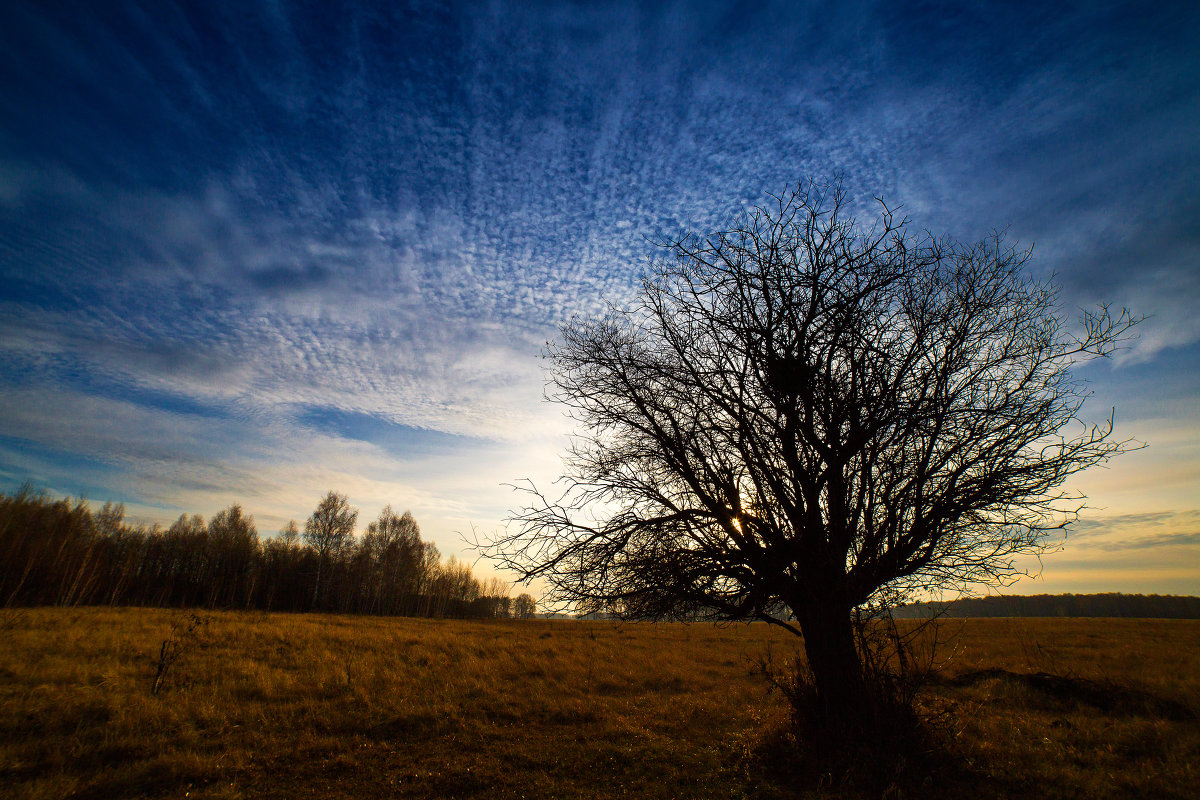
{"x":289,"y":706}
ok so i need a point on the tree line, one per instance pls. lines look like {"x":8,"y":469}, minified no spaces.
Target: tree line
{"x":1110,"y":604}
{"x":61,"y":552}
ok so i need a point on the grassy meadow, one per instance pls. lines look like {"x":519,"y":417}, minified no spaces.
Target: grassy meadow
{"x":293,"y":706}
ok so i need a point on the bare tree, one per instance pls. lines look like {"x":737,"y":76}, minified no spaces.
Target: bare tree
{"x":525,"y":606}
{"x":232,"y":547}
{"x":328,"y":531}
{"x":800,"y":417}
{"x":397,"y":553}
{"x":289,"y":534}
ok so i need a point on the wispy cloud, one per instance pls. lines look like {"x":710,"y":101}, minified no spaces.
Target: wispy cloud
{"x":215,"y":229}
{"x":1191,"y":539}
{"x":1153,"y":519}
{"x":1142,"y":531}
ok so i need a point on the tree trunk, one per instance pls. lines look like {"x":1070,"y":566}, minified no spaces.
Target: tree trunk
{"x":317,"y":585}
{"x":835,"y":664}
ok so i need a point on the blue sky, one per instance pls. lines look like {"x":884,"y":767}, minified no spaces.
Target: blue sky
{"x":253,"y":251}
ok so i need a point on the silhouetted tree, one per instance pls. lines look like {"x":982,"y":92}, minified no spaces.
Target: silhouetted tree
{"x":290,"y":534}
{"x":232,"y":547}
{"x":801,"y":417}
{"x":396,"y":552}
{"x":524,"y":606}
{"x":328,"y":531}
{"x":494,"y":594}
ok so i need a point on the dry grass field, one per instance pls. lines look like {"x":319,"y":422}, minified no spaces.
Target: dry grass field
{"x":295,"y":706}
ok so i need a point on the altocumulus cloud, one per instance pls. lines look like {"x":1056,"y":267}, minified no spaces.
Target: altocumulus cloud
{"x":268,"y":252}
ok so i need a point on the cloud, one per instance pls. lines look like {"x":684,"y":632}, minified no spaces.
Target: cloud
{"x":163,"y":462}
{"x":1190,"y":539}
{"x":1133,"y":532}
{"x":280,"y":251}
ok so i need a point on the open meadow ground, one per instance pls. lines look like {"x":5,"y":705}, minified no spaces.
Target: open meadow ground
{"x":295,"y":706}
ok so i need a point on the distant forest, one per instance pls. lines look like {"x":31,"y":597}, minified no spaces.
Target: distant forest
{"x":1061,"y":605}
{"x":61,"y":553}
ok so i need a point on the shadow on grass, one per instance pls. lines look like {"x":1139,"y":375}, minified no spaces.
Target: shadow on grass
{"x":1064,"y":693}
{"x":924,"y":757}
{"x":787,"y":764}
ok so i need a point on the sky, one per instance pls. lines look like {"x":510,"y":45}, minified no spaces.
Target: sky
{"x":254,"y":251}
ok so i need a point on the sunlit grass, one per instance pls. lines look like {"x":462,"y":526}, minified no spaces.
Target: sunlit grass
{"x":328,"y":706}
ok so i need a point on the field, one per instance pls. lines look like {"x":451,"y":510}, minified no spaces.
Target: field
{"x":294,"y":706}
